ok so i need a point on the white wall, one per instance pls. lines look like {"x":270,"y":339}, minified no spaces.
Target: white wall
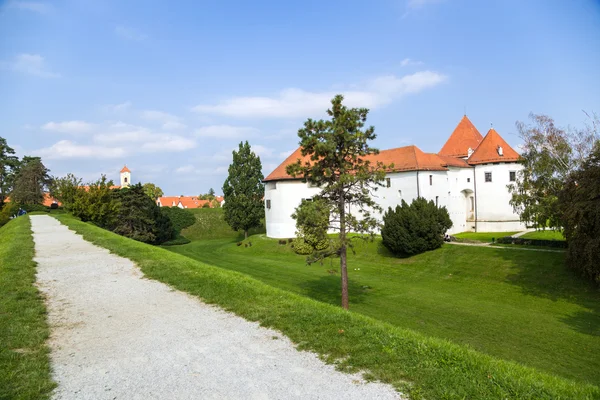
{"x":493,"y":208}
{"x":453,"y":189}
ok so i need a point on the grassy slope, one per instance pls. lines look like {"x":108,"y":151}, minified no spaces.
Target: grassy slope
{"x":483,"y":236}
{"x":24,"y":360}
{"x":211,"y":225}
{"x":517,"y":305}
{"x":544,"y":235}
{"x":425,"y":367}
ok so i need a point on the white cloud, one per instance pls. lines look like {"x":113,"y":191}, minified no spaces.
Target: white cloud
{"x":173,"y":125}
{"x":414,"y":4}
{"x":291,"y":103}
{"x":186,"y":169}
{"x":169,"y":121}
{"x":285,"y":154}
{"x":118,"y":107}
{"x":168,"y":143}
{"x":130,"y":33}
{"x":190,"y":170}
{"x":32,"y":64}
{"x":34,"y":6}
{"x":68,"y":126}
{"x":262,"y":151}
{"x":407,"y":62}
{"x":68,"y":149}
{"x":226,"y":132}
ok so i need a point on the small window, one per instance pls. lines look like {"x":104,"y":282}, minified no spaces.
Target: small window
{"x":271,"y":185}
{"x":488,"y":176}
{"x":430,"y":180}
{"x":437,"y":200}
{"x":125,"y":180}
{"x":400,"y":193}
{"x":268,"y":204}
{"x":388,"y":182}
{"x":472,"y":203}
{"x":512,"y":176}
{"x":468,"y":180}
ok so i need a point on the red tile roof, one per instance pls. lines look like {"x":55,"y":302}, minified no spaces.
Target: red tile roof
{"x":488,"y":150}
{"x":168,"y":201}
{"x":125,"y":169}
{"x":465,"y":135}
{"x":192,"y":202}
{"x":408,"y":158}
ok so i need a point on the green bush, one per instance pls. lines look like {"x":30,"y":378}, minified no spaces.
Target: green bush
{"x":9,"y":210}
{"x":179,"y":217}
{"x":308,"y":244}
{"x":34,"y":207}
{"x":96,"y":203}
{"x":415,"y":228}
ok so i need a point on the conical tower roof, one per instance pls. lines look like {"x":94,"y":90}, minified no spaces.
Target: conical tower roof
{"x":465,"y":135}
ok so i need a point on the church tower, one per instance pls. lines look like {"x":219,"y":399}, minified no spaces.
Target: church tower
{"x":125,"y":177}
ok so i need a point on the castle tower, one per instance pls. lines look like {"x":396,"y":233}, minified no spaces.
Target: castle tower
{"x":125,"y":177}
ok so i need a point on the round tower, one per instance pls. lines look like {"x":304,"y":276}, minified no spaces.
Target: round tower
{"x":125,"y":177}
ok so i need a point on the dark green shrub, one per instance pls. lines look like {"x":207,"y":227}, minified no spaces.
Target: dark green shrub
{"x":179,"y":217}
{"x":307,"y":244}
{"x":206,"y":205}
{"x":96,"y":203}
{"x":282,"y":241}
{"x":415,"y":228}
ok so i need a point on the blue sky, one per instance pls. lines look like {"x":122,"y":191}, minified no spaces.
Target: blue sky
{"x":170,"y":88}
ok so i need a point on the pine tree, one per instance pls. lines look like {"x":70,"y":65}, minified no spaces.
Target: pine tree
{"x":31,"y":181}
{"x":337,"y":150}
{"x":8,"y":165}
{"x":244,"y":191}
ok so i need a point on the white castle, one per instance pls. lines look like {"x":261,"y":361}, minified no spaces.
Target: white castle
{"x":469,"y":176}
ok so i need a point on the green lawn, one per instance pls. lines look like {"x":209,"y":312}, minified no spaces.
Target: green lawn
{"x":544,"y":235}
{"x":483,"y":236}
{"x":517,"y":305}
{"x":24,"y":359}
{"x":421,"y":366}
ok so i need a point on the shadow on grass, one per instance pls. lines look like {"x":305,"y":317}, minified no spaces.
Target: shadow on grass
{"x":328,"y":289}
{"x":551,"y":279}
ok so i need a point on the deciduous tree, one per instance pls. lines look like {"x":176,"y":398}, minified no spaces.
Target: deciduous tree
{"x":65,"y":190}
{"x":244,"y":191}
{"x":152,"y":191}
{"x":338,"y":151}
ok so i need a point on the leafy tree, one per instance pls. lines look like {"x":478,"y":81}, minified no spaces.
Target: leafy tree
{"x":415,"y":228}
{"x":8,"y":165}
{"x":139,"y":217}
{"x":65,"y":190}
{"x":244,"y":191}
{"x":579,"y":203}
{"x":179,"y":217}
{"x":152,"y":191}
{"x":337,"y":150}
{"x":31,"y":181}
{"x":96,"y":203}
{"x":550,"y":154}
{"x":208,"y":196}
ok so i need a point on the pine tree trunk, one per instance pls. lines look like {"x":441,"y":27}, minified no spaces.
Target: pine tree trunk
{"x":245,"y":234}
{"x":343,"y":264}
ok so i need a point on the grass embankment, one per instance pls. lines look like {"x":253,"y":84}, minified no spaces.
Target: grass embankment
{"x":210,"y":224}
{"x":422,"y":366}
{"x":482,"y":236}
{"x":544,"y":235}
{"x":517,"y":305}
{"x":24,"y":357}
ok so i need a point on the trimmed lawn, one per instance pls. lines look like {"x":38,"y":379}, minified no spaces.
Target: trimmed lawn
{"x":483,"y":236}
{"x":24,"y":357}
{"x":421,"y":366}
{"x":516,"y":305}
{"x":544,"y":235}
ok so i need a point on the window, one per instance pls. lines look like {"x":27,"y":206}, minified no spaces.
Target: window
{"x":388,"y":182}
{"x":488,"y":176}
{"x":400,"y":193}
{"x":468,"y":180}
{"x":268,"y":204}
{"x":472,"y":203}
{"x":271,"y":185}
{"x":430,"y":180}
{"x":436,"y":200}
{"x":512,"y":176}
{"x":125,"y":180}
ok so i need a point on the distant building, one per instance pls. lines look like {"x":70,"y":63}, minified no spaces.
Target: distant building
{"x":186,"y":202}
{"x":125,"y":177}
{"x":468,"y":176}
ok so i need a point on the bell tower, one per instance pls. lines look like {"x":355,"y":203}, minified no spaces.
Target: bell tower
{"x":125,"y":177}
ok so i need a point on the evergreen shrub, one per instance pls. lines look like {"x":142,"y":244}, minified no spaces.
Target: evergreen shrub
{"x":415,"y":228}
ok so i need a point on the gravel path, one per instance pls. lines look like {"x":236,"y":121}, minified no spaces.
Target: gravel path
{"x":117,"y":335}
